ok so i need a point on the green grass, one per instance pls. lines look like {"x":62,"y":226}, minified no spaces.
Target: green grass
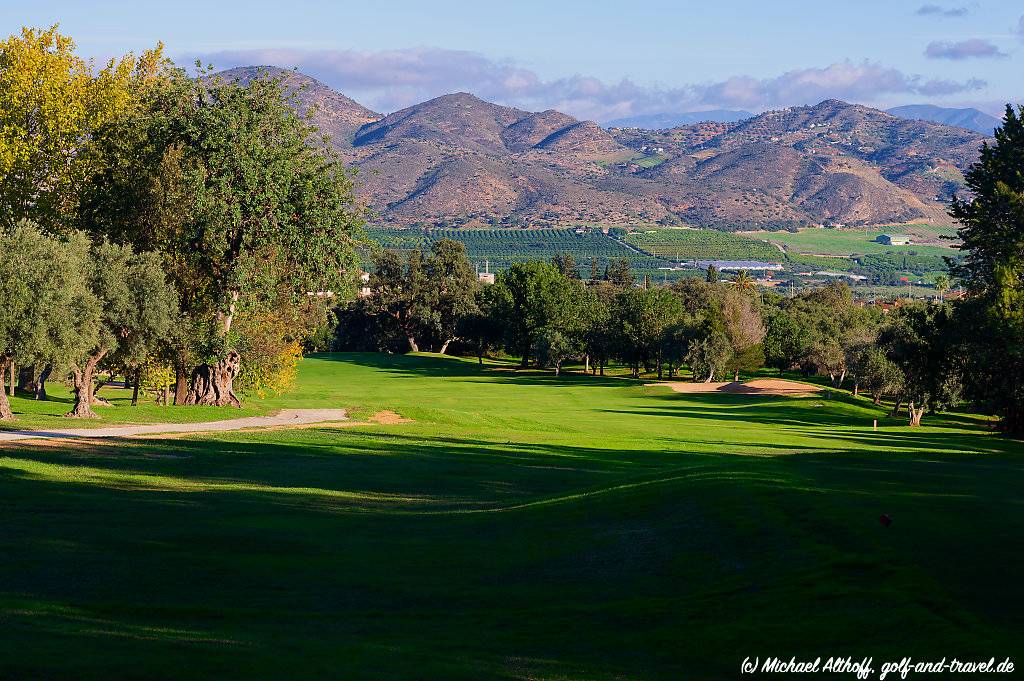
{"x":849,"y":242}
{"x":650,"y":161}
{"x":523,"y":527}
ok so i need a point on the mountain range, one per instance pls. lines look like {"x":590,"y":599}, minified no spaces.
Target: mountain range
{"x":457,"y":159}
{"x":663,"y":121}
{"x":971,"y":119}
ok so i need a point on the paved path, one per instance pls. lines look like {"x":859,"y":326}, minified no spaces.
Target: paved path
{"x":287,"y":417}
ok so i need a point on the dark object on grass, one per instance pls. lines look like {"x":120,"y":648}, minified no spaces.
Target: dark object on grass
{"x":885,"y":519}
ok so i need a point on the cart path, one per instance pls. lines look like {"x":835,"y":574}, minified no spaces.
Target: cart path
{"x":286,"y":417}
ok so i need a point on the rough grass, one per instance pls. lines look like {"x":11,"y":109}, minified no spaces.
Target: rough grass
{"x":523,"y":527}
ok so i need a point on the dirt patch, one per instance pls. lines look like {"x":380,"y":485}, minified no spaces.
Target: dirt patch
{"x":389,"y":418}
{"x":759,"y":386}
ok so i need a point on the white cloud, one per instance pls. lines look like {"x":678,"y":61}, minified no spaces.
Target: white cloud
{"x":930,"y":9}
{"x":393,"y":79}
{"x":965,"y":49}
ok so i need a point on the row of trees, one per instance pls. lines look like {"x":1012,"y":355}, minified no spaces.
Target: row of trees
{"x":152,"y":216}
{"x":544,"y":314}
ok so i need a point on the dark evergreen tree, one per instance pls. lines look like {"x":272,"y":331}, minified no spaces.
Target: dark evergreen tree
{"x":992,"y":271}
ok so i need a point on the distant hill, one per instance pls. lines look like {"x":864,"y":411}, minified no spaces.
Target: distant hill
{"x":336,"y":114}
{"x":459,"y":160}
{"x":971,"y":119}
{"x":663,"y":121}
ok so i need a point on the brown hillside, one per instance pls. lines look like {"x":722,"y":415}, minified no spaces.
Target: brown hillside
{"x":457,"y":157}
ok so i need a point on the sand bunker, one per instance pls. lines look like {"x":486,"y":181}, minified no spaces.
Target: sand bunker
{"x":759,"y":386}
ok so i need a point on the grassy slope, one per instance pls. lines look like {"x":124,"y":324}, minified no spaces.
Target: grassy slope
{"x":522,"y":527}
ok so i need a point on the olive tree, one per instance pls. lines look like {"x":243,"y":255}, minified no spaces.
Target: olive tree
{"x":128,"y":308}
{"x":44,"y":298}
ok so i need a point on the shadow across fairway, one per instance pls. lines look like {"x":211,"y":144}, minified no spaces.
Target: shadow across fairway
{"x":436,"y":472}
{"x":845,"y":410}
{"x":233,"y":583}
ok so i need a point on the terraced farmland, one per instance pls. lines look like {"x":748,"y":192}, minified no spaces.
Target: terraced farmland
{"x":503,"y":247}
{"x":851,"y":251}
{"x":700,"y":244}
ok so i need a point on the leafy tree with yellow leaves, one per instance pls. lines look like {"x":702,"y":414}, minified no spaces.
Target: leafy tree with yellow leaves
{"x":51,"y":100}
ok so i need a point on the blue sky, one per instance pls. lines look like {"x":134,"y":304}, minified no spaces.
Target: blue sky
{"x":595,"y":59}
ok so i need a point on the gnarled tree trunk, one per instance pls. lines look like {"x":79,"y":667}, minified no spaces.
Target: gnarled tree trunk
{"x":916,"y":414}
{"x":27,"y":378}
{"x":180,"y":383}
{"x":5,"y":407}
{"x":212,"y":384}
{"x":40,"y":388}
{"x":135,"y":386}
{"x":1013,"y":420}
{"x":96,"y":399}
{"x":896,"y":406}
{"x":81,"y":379}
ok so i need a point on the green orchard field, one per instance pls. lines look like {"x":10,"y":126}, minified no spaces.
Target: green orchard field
{"x":522,"y":526}
{"x":650,"y":249}
{"x":703,"y":244}
{"x":504,"y":247}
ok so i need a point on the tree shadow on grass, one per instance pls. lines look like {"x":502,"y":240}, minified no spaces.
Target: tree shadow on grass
{"x":436,"y":472}
{"x":416,"y":366}
{"x":840,"y":409}
{"x":603,"y":578}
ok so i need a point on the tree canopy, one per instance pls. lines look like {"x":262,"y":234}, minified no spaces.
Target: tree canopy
{"x":241,"y":196}
{"x":52,"y":102}
{"x":992,"y":271}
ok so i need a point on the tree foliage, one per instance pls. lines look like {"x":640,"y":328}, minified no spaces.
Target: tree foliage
{"x":992,"y":271}
{"x":52,"y":102}
{"x":45,"y":299}
{"x":238,"y":192}
{"x":128,"y":309}
{"x":423,"y":298}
